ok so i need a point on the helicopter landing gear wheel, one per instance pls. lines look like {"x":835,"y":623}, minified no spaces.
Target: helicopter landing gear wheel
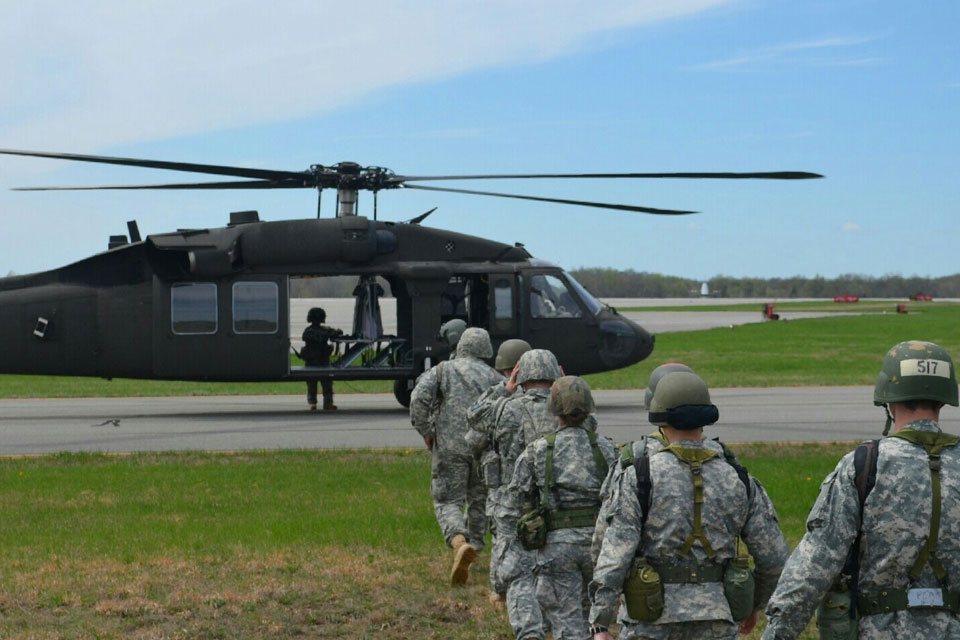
{"x":402,"y":389}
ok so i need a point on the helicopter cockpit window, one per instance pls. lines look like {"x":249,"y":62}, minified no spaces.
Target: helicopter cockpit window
{"x":503,"y":301}
{"x":550,"y":298}
{"x":255,"y":307}
{"x":193,"y":308}
{"x":592,"y":303}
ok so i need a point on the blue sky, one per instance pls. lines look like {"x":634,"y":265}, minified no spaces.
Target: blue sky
{"x":866,"y":92}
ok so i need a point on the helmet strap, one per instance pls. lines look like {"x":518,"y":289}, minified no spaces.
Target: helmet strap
{"x":886,"y":427}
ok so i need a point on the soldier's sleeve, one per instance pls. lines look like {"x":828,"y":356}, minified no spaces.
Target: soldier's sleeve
{"x":521,"y":494}
{"x":831,"y":529}
{"x":481,"y":416}
{"x":608,"y":493}
{"x":421,"y":402}
{"x":766,"y":543}
{"x":619,"y":547}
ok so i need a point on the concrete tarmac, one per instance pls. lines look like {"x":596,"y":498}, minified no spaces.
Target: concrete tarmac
{"x":38,"y":426}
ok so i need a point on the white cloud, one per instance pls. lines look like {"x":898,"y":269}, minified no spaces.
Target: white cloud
{"x":851,"y":227}
{"x":796,"y":54}
{"x":88,"y":74}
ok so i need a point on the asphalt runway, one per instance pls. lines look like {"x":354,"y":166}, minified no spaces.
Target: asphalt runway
{"x":39,"y":426}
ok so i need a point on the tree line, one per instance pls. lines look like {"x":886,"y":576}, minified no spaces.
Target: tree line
{"x":611,"y":283}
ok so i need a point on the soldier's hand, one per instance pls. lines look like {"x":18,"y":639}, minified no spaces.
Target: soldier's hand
{"x":429,"y":440}
{"x":747,"y":625}
{"x":602,"y":636}
{"x":511,"y":385}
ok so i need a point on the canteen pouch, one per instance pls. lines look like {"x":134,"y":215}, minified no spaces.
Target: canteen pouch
{"x":738,"y":587}
{"x":532,"y":529}
{"x":643,"y":592}
{"x":833,"y":617}
{"x":490,"y":467}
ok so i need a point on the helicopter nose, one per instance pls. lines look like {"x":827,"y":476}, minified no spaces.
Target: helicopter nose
{"x":623,"y":343}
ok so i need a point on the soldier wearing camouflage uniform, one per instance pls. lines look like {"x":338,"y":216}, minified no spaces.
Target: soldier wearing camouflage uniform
{"x":561,"y":472}
{"x":903,"y":537}
{"x":438,"y":407}
{"x":450,"y":332}
{"x":683,"y":542}
{"x":517,"y":420}
{"x":646,"y":445}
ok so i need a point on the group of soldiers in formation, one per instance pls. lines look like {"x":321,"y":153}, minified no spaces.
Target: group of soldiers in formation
{"x":669,"y":536}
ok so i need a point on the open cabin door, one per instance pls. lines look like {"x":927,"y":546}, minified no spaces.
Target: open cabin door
{"x":503,"y":306}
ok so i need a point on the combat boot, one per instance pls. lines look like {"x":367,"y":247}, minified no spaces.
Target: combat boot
{"x":463,"y":556}
{"x":329,"y":406}
{"x":498,"y":600}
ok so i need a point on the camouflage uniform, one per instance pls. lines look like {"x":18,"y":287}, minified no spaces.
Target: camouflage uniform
{"x":895,"y":523}
{"x":728,"y":511}
{"x":502,"y":422}
{"x":455,"y":477}
{"x":563,"y":568}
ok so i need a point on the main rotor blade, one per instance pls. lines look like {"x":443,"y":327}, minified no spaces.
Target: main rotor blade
{"x":239,"y":172}
{"x":234,"y":184}
{"x":762,"y":175}
{"x":582,"y":203}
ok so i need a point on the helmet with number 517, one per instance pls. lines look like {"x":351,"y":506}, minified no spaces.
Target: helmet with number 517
{"x":916,"y":370}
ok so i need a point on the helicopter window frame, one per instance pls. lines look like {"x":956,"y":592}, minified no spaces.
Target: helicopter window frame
{"x":548,"y":303}
{"x":196,"y":309}
{"x":275,"y":320}
{"x":594,"y":305}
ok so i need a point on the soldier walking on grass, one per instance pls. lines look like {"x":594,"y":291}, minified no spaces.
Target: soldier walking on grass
{"x":438,"y":408}
{"x":881,"y":556}
{"x":551,"y":505}
{"x":672,"y":548}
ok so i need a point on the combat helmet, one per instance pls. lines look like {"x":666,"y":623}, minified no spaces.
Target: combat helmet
{"x":657,"y":374}
{"x":538,"y":364}
{"x":452,"y":330}
{"x":682,"y":401}
{"x":916,"y":370}
{"x":475,"y":342}
{"x":316,"y":314}
{"x":570,"y":397}
{"x":509,"y":353}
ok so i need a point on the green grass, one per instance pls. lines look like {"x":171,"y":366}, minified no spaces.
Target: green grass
{"x":842,"y":350}
{"x":263,"y":545}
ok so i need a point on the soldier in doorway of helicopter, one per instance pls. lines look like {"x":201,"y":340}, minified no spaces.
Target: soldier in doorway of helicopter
{"x":672,"y":550}
{"x":316,"y":353}
{"x":881,"y":555}
{"x":552,"y":502}
{"x":521,"y":418}
{"x":438,"y":408}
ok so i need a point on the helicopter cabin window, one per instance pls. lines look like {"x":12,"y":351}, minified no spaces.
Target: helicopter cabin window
{"x":193,"y":308}
{"x":503,"y":302}
{"x":550,"y":298}
{"x":255,"y":307}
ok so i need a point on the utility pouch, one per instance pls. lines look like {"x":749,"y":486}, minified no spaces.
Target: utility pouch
{"x":833,"y":616}
{"x":490,"y":467}
{"x":532,"y":529}
{"x":738,"y":587}
{"x":643,"y":592}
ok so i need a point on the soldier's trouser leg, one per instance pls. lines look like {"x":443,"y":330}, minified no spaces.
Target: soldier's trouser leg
{"x":515,"y":570}
{"x":708,"y":630}
{"x":476,"y":506}
{"x":327,"y":385}
{"x":312,"y":391}
{"x":561,"y":588}
{"x":449,"y":480}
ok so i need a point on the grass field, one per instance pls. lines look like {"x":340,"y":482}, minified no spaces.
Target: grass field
{"x":314,"y":544}
{"x":843,"y":350}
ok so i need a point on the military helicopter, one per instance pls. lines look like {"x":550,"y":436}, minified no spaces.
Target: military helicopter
{"x":214,"y":304}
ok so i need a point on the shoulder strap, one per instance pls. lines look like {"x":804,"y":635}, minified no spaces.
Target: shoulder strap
{"x":694,"y":458}
{"x":934,"y":443}
{"x":741,"y":470}
{"x":642,"y":467}
{"x":548,"y":480}
{"x":864,"y":477}
{"x":601,"y":462}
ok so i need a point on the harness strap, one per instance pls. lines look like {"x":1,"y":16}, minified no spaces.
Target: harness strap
{"x":694,"y":458}
{"x":567,"y":518}
{"x":570,"y":518}
{"x":889,"y":600}
{"x":933,"y":443}
{"x":699,"y":574}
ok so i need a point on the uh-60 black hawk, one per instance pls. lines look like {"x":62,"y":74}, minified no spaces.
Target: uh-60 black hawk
{"x":214,"y":304}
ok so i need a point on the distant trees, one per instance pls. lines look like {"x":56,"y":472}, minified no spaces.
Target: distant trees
{"x":611,"y":283}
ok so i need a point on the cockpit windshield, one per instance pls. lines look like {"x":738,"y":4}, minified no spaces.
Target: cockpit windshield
{"x":592,"y":303}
